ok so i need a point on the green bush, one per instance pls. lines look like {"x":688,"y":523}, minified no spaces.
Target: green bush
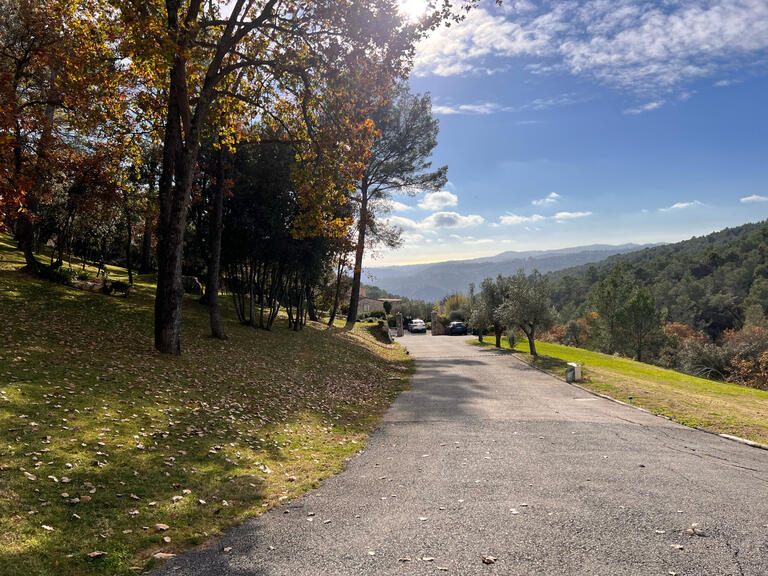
{"x":58,"y":275}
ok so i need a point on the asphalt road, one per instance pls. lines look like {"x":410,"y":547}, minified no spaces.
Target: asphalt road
{"x":486,"y":457}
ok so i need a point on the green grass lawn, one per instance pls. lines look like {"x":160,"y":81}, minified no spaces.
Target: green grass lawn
{"x":715,"y":406}
{"x":103,"y":441}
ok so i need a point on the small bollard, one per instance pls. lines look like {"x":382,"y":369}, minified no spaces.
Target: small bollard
{"x":573,"y":372}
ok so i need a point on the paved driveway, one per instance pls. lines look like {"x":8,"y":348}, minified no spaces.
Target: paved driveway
{"x":488,"y":457}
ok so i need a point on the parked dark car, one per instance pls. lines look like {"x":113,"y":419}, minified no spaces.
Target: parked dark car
{"x":457,"y":328}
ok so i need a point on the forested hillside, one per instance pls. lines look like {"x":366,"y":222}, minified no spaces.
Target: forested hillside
{"x":438,"y":280}
{"x":710,"y":283}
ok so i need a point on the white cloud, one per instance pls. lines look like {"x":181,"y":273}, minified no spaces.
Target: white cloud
{"x":571,"y":215}
{"x":435,"y":221}
{"x":645,"y":107}
{"x":486,"y":108}
{"x":753,"y":198}
{"x":511,"y":219}
{"x":480,"y":241}
{"x":483,"y":109}
{"x":451,"y":220}
{"x":405,"y":224}
{"x":396,"y":206}
{"x":471,"y":239}
{"x":681,"y":206}
{"x":641,"y":46}
{"x":438,"y":200}
{"x":411,"y":238}
{"x":551,"y":198}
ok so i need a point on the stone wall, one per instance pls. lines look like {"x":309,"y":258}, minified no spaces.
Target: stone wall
{"x":437,"y":327}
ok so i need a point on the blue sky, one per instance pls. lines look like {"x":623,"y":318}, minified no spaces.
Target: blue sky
{"x":567,"y":123}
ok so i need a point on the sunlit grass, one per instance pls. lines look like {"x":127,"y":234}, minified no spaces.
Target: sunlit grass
{"x":716,"y":406}
{"x":197,"y":442}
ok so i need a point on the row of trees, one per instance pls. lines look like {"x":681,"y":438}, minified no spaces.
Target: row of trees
{"x":623,"y":318}
{"x":120,"y":124}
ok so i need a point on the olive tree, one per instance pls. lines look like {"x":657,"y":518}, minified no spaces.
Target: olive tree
{"x":526,"y":305}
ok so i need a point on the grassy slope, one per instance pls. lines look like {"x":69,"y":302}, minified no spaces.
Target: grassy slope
{"x":226,"y":431}
{"x":715,"y":406}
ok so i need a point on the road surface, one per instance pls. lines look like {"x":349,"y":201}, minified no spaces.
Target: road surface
{"x":487,"y":457}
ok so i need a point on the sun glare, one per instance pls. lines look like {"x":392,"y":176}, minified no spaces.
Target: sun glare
{"x":413,"y":9}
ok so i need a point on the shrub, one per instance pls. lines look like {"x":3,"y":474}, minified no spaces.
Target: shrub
{"x":575,"y":332}
{"x":705,"y":359}
{"x":749,"y":357}
{"x":555,"y":334}
{"x":59,"y":275}
{"x":457,"y":316}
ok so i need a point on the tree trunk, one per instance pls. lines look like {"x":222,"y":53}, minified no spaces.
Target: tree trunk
{"x":217,"y":219}
{"x":354,"y":298}
{"x":145,"y":259}
{"x":337,"y":294}
{"x":532,"y":341}
{"x":175,"y":187}
{"x":25,"y":234}
{"x":310,"y":307}
{"x":497,"y":333}
{"x":129,"y":239}
{"x":179,"y":162}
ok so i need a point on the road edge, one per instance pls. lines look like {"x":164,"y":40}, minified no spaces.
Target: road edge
{"x":730,"y":437}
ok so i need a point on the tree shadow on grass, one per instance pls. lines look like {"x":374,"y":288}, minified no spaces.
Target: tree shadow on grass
{"x":81,"y":367}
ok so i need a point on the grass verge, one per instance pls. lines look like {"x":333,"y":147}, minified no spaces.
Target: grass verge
{"x":103,"y":441}
{"x":715,"y":406}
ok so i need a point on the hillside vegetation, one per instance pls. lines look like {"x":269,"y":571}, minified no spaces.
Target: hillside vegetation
{"x":435,"y":281}
{"x":707,"y":283}
{"x":111,"y":452}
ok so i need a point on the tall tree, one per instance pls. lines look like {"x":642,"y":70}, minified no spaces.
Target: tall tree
{"x":609,"y":299}
{"x":399,"y":162}
{"x":641,"y":321}
{"x":58,"y":86}
{"x":276,"y":50}
{"x":487,"y":307}
{"x":527,"y":306}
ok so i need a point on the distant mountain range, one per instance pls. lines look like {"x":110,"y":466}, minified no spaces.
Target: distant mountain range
{"x":434,"y":281}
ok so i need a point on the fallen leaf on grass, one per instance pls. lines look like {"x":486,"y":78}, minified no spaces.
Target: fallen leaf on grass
{"x":161,"y":527}
{"x":96,"y":554}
